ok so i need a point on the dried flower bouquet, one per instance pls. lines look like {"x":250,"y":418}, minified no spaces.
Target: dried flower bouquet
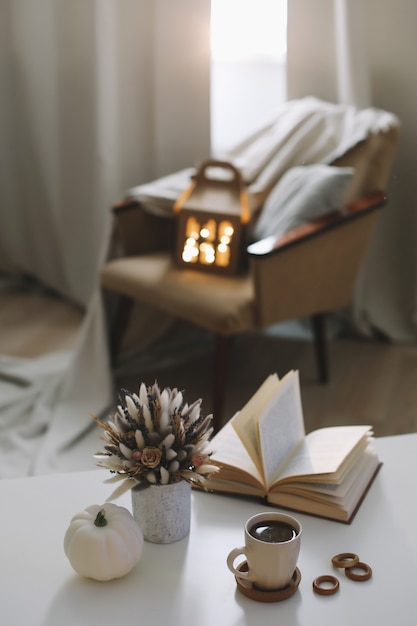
{"x":155,"y":439}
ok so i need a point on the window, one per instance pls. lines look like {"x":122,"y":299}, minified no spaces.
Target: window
{"x":248,"y":66}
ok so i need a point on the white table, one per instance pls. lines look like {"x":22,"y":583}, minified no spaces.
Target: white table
{"x":188,"y":582}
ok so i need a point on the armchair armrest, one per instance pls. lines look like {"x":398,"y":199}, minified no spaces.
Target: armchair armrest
{"x":315,"y":228}
{"x":312,"y":268}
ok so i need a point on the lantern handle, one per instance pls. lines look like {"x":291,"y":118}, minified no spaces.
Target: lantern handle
{"x":201,"y":177}
{"x":202,"y":174}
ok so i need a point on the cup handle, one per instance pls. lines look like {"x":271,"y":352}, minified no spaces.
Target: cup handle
{"x":233,"y":554}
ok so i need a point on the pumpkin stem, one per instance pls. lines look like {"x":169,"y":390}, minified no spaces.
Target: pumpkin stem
{"x":101,"y":518}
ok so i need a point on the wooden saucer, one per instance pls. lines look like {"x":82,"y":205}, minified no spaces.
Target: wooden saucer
{"x":261,"y":595}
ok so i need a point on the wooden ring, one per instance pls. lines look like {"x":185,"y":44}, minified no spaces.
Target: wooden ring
{"x":325,"y":591}
{"x":345,"y":559}
{"x":367,"y":572}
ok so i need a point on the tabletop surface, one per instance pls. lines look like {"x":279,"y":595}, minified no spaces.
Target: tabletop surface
{"x":188,"y":582}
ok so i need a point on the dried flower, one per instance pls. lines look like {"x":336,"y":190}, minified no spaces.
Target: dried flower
{"x":154,"y":438}
{"x":150,"y":457}
{"x":197,"y":460}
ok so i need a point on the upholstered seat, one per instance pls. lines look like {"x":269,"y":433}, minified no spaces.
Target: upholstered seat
{"x":224,"y":305}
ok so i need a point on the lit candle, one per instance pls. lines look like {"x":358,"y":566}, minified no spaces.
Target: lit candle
{"x":223,"y":255}
{"x":207,"y":255}
{"x":190,"y":252}
{"x":225,"y":229}
{"x":208,"y":231}
{"x":192,"y":228}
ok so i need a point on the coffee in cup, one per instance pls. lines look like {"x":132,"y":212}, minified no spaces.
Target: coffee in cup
{"x":272,"y":546}
{"x":273,"y":531}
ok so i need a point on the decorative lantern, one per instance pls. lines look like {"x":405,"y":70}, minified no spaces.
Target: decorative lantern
{"x":213,"y":214}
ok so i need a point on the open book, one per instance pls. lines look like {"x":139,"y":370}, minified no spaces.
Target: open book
{"x":263,"y":451}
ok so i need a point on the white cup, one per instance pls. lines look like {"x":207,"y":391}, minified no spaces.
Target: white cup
{"x":272,"y":546}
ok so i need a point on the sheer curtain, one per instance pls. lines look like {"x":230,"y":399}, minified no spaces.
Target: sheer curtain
{"x":53,"y":186}
{"x":360,"y":52}
{"x":353,"y":77}
{"x":83,"y":112}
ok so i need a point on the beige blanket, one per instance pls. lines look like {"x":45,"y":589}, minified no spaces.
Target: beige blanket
{"x":304,"y":131}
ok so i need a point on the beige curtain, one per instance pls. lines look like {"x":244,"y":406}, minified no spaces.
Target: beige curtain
{"x":90,"y":90}
{"x":59,"y":135}
{"x":362,"y":51}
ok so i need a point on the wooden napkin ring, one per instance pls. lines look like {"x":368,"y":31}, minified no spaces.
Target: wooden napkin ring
{"x":367,"y":572}
{"x":325,"y":591}
{"x":345,"y":559}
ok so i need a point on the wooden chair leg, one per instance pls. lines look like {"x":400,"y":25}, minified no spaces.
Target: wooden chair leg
{"x":319,"y":330}
{"x":222,"y":350}
{"x":118,"y":326}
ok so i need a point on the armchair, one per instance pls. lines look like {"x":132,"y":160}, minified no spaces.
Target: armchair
{"x":309,"y":271}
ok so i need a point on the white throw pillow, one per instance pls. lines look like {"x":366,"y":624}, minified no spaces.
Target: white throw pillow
{"x":304,"y":193}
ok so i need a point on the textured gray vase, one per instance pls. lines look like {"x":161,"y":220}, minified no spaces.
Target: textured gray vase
{"x":163,"y":512}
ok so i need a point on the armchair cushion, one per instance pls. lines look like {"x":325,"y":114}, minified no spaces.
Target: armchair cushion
{"x":304,"y":193}
{"x":221,"y":304}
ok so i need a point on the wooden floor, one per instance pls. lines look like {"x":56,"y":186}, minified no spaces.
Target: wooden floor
{"x":34,"y":323}
{"x":371,"y":382}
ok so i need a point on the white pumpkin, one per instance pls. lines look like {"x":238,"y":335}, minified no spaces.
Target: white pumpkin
{"x":103,"y":542}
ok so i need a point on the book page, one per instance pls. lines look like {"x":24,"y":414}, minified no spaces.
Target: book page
{"x":281,"y":426}
{"x":339,"y":489}
{"x":245,"y":422}
{"x":324,"y":451}
{"x":340,"y":502}
{"x":227,"y":449}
